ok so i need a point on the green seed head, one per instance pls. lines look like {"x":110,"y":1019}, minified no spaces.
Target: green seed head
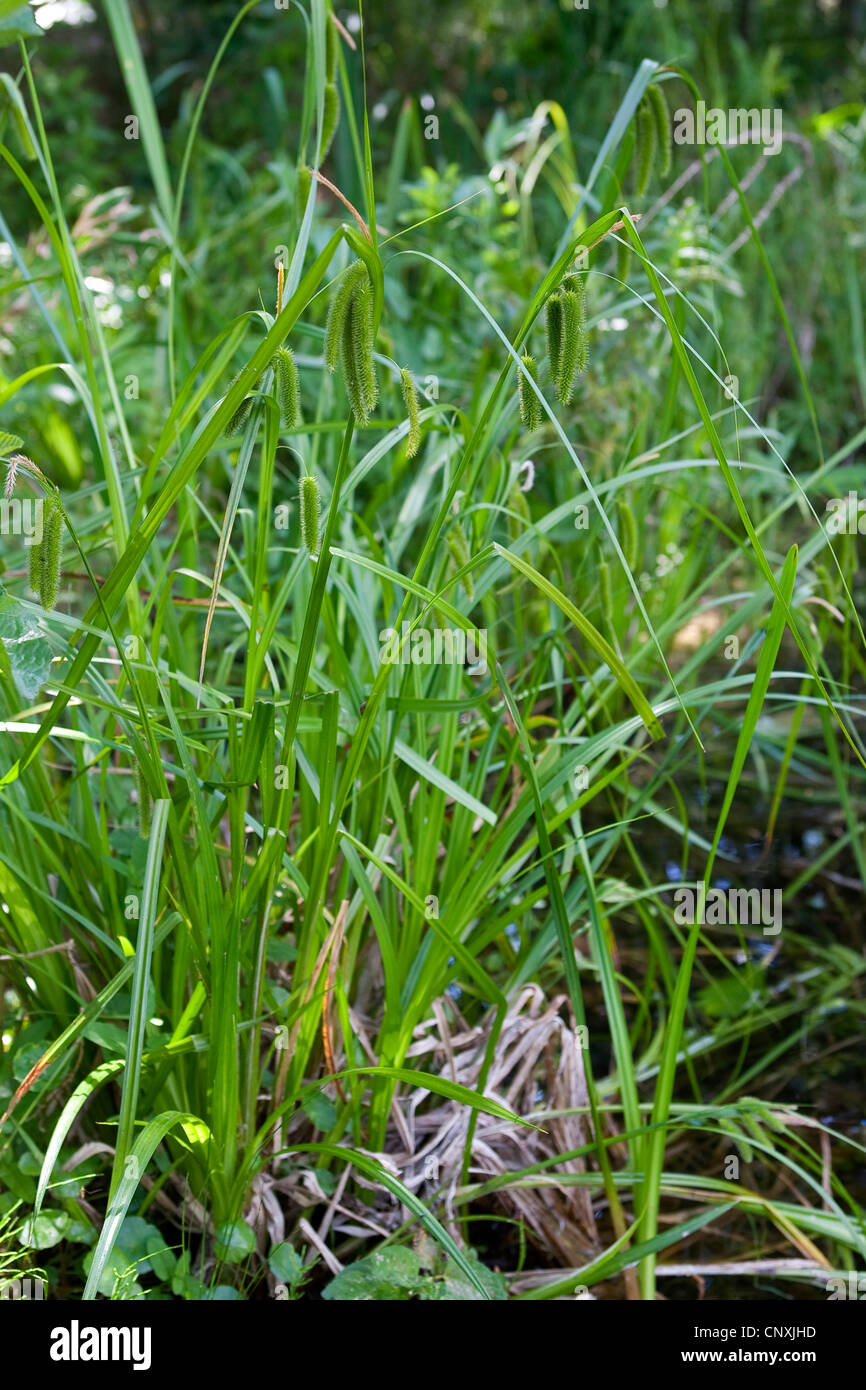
{"x":646,"y":145}
{"x":348,"y":285}
{"x":242,"y":413}
{"x":583,"y":337}
{"x":410,"y":400}
{"x":518,"y":505}
{"x":36,"y":555}
{"x":356,"y":351}
{"x":461,"y":555}
{"x":302,"y":188}
{"x":569,"y":353}
{"x":331,"y":42}
{"x":659,"y":108}
{"x":240,"y":416}
{"x":309,"y":499}
{"x":628,"y":532}
{"x":530,"y":405}
{"x":287,"y":386}
{"x":567,"y":341}
{"x":554,"y":318}
{"x":330,"y":117}
{"x":48,"y":564}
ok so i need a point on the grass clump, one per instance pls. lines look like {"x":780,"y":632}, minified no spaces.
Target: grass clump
{"x":346,"y":897}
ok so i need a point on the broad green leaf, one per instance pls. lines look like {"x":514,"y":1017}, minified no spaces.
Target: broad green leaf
{"x":24,"y":646}
{"x":17,"y":22}
{"x":285,"y":1263}
{"x":43,"y":1231}
{"x":321,"y":1110}
{"x":235,"y":1241}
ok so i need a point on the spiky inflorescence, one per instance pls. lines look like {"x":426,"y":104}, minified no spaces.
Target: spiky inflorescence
{"x":583,"y":332}
{"x":659,"y":108}
{"x":356,"y":350}
{"x":303,"y":179}
{"x":628,"y":534}
{"x":553,"y":317}
{"x":530,"y":405}
{"x":309,"y":500}
{"x":331,"y":41}
{"x":569,"y":347}
{"x":35,"y":556}
{"x":461,"y":555}
{"x":518,"y":509}
{"x":646,"y":145}
{"x":330,"y":118}
{"x":243,"y":410}
{"x":45,"y":557}
{"x":347,"y":287}
{"x":575,"y":284}
{"x":410,"y":400}
{"x":288,"y":387}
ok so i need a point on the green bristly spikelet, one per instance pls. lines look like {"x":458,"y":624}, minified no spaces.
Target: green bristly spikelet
{"x":570,"y":344}
{"x":309,"y":500}
{"x":661,"y":118}
{"x":356,"y":350}
{"x":303,"y":179}
{"x":36,"y":558}
{"x":554,"y":316}
{"x":461,"y":555}
{"x":10,"y":443}
{"x":646,"y":145}
{"x":330,"y":118}
{"x":530,"y":405}
{"x":410,"y":400}
{"x":45,"y":565}
{"x":241,"y":414}
{"x":583,"y":334}
{"x":287,"y":385}
{"x":331,"y":42}
{"x":576,"y":285}
{"x":628,"y":534}
{"x":347,"y":287}
{"x":50,"y":576}
{"x":517,"y":503}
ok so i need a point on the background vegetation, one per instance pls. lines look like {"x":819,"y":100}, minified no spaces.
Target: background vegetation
{"x":328,"y":978}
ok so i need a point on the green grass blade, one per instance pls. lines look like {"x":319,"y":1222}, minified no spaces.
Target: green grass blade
{"x":674,"y":1029}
